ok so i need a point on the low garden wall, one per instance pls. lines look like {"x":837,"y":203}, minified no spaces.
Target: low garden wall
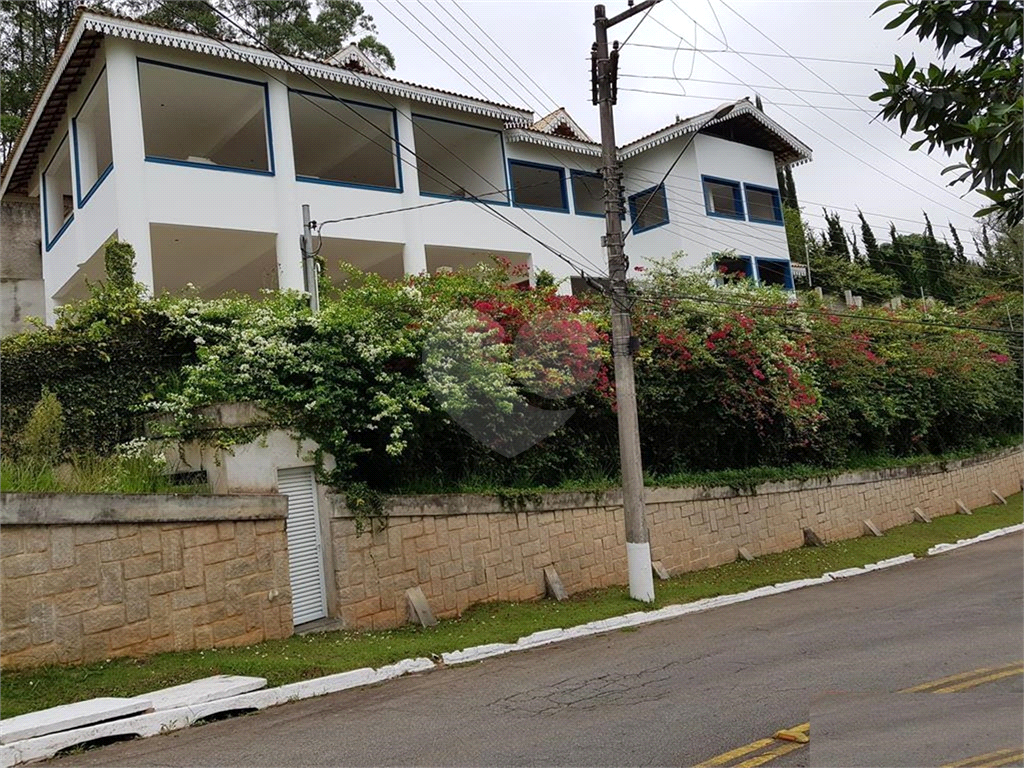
{"x":89,"y":577}
{"x":466,"y":549}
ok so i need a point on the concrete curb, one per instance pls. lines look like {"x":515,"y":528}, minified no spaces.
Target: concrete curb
{"x":154,"y":723}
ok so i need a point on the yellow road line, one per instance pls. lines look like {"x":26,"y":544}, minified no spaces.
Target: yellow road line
{"x":962,"y":676}
{"x":970,"y":760}
{"x":769,"y":756}
{"x":1015,"y":759}
{"x":981,"y":680}
{"x":732,"y":754}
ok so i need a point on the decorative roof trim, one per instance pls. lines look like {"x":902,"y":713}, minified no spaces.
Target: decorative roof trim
{"x":145,"y":33}
{"x":561,"y":117}
{"x":693,"y":124}
{"x":351,"y":53}
{"x":70,"y":45}
{"x":533,"y":136}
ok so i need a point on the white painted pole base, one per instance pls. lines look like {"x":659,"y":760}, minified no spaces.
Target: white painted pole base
{"x":641,"y":575}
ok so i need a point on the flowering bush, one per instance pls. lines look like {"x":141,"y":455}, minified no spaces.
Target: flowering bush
{"x":383,"y":377}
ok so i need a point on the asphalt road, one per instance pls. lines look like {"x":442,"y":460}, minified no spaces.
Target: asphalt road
{"x":682,"y":691}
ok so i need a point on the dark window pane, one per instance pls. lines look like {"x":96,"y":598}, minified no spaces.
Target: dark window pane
{"x":537,"y":186}
{"x":763,"y":205}
{"x":649,"y":209}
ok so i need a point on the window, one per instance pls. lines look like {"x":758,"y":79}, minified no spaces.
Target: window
{"x":763,"y":204}
{"x":459,"y":160}
{"x":722,"y":198}
{"x":732,"y":268}
{"x":775,"y":272}
{"x":587,"y":193}
{"x":648,"y":209}
{"x":198,"y":118}
{"x":538,"y":186}
{"x":346,"y":142}
{"x":58,"y":205}
{"x":94,"y":156}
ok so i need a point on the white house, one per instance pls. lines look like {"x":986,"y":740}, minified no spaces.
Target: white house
{"x":201,"y":153}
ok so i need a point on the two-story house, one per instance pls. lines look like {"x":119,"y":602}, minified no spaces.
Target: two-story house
{"x":201,"y":154}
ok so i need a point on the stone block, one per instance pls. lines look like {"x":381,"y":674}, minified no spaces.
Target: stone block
{"x":200,"y":534}
{"x":553,"y":584}
{"x":146,"y":565}
{"x":418,"y":608}
{"x":71,"y":603}
{"x":25,"y":564}
{"x":62,"y":547}
{"x":659,"y":570}
{"x":120,"y":549}
{"x":128,"y":635}
{"x":111,"y":587}
{"x":14,"y":607}
{"x":150,"y":538}
{"x":228,"y":628}
{"x":192,"y":567}
{"x":219,"y":551}
{"x":744,"y":554}
{"x":41,"y":622}
{"x":12,"y":540}
{"x":188,"y":598}
{"x":136,"y":600}
{"x":90,"y":534}
{"x":215,"y":582}
{"x":37,"y":538}
{"x":162,"y":583}
{"x":102,"y":618}
{"x":245,"y":537}
{"x":52,"y":583}
{"x":68,"y":639}
{"x":87,"y":565}
{"x":871,"y":528}
{"x":127,"y":530}
{"x":171,"y":550}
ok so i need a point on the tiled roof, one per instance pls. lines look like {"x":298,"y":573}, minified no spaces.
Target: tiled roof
{"x":559,"y":123}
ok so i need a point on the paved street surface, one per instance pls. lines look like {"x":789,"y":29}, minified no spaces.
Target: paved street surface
{"x":682,"y":692}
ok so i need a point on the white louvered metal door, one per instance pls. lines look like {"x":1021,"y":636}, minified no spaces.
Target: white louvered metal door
{"x":305,"y":560}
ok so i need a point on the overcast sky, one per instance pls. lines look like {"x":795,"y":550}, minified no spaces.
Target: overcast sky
{"x":858,"y":161}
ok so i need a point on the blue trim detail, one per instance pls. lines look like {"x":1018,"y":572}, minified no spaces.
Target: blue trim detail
{"x":776,"y":204}
{"x":541,"y":166}
{"x":737,"y":198}
{"x":413,"y":116}
{"x":395,"y":152}
{"x":633,"y":208}
{"x":351,"y":184}
{"x":789,"y":285}
{"x":751,"y":267}
{"x":573,"y":173}
{"x":266,"y":120}
{"x":83,"y":199}
{"x":46,"y":213}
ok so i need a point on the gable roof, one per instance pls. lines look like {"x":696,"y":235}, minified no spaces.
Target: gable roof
{"x":351,"y":57}
{"x":90,"y":26}
{"x":738,"y":121}
{"x":559,"y":123}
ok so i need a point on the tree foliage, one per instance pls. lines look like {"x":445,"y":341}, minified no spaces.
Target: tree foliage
{"x":31,"y":33}
{"x":973,"y":106}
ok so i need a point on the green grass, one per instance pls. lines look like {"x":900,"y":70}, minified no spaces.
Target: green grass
{"x":298,"y":658}
{"x":89,"y":473}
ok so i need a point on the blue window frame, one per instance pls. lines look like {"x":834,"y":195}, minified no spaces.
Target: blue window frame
{"x":771,"y":271}
{"x":358,"y":133}
{"x":537,"y":186}
{"x":764,"y":205}
{"x":440,"y":177}
{"x":587,"y":193}
{"x":96,"y":130}
{"x":168,"y":148}
{"x":723,"y":198}
{"x":735,"y":268}
{"x":58,"y":203}
{"x":648,"y":209}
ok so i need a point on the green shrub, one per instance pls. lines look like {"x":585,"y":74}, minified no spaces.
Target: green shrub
{"x":39,"y":443}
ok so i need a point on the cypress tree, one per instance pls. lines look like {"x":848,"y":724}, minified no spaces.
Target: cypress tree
{"x":835,"y":237}
{"x":958,"y":247}
{"x":871,"y":250}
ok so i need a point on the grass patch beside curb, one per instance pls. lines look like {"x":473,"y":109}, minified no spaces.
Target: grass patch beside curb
{"x":310,"y":656}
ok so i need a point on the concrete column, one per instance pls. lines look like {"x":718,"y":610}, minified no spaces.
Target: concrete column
{"x":129,"y":151}
{"x":289,"y":207}
{"x":414,"y":254}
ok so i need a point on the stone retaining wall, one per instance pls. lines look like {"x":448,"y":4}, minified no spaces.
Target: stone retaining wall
{"x":90,"y":577}
{"x":467,"y":549}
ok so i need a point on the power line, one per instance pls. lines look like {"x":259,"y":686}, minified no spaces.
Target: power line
{"x":818,"y":133}
{"x":755,"y":53}
{"x":420,"y":162}
{"x":745,"y":85}
{"x":719,"y":99}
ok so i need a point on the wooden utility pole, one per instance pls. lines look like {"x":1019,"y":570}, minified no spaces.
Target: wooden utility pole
{"x":638,"y":544}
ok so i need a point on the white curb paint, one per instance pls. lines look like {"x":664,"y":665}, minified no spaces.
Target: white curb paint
{"x":45,"y":747}
{"x":940,"y":548}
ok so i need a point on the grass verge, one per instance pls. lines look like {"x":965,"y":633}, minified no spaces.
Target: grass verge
{"x":299,"y":658}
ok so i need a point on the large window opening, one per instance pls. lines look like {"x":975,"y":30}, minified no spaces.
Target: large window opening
{"x":94,"y":155}
{"x":204,"y":119}
{"x":649,"y":209}
{"x":58,"y":204}
{"x":343,"y":142}
{"x":588,"y":193}
{"x":733,"y":268}
{"x":538,"y":186}
{"x":775,"y":272}
{"x":723,"y":198}
{"x":458,"y":160}
{"x":763,"y":204}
